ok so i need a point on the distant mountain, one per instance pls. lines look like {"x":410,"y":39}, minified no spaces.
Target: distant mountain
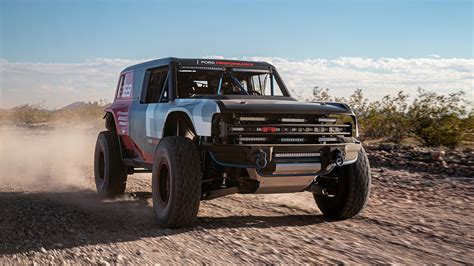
{"x":74,"y":105}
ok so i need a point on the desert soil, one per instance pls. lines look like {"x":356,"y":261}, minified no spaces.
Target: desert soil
{"x":412,"y":217}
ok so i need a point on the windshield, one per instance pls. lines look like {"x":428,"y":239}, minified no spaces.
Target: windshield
{"x":197,"y":82}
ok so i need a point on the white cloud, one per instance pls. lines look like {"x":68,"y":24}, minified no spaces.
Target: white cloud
{"x":377,"y":77}
{"x":58,"y":84}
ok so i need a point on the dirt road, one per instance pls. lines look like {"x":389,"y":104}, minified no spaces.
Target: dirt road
{"x":411,"y":217}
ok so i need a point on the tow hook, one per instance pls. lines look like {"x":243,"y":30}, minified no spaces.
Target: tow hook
{"x":339,"y":158}
{"x":261,"y":159}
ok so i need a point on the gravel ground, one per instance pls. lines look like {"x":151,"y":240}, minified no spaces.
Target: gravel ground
{"x":412,"y":217}
{"x":420,"y":211}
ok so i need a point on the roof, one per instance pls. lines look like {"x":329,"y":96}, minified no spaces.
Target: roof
{"x":198,"y":62}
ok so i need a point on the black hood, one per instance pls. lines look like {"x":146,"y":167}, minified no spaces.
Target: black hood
{"x":283,"y":106}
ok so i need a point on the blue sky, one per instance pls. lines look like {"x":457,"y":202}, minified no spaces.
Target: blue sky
{"x":73,"y":31}
{"x":59,"y":51}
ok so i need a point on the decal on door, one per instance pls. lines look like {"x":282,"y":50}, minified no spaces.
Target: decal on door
{"x":127,"y":91}
{"x":122,"y":118}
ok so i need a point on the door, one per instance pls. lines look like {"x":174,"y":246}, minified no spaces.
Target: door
{"x":145,"y":120}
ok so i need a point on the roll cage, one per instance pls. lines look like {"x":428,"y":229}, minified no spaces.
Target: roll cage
{"x":226,"y":70}
{"x":195,"y":80}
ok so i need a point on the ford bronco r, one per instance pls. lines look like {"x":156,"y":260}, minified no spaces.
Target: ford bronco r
{"x":207,"y":128}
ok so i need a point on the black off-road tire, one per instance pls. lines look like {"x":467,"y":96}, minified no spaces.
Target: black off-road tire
{"x":176,"y":182}
{"x":353,"y":189}
{"x":109,"y":170}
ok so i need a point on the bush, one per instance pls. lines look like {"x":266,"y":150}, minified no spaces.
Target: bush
{"x":436,"y":120}
{"x":34,"y":115}
{"x":86,"y":113}
{"x":30,"y":115}
{"x":468,"y":125}
{"x":386,"y":118}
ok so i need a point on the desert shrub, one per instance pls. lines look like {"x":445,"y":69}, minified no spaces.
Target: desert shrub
{"x":3,"y":116}
{"x":320,"y":95}
{"x":385,"y":118}
{"x":436,"y":120}
{"x":358,"y":103}
{"x":29,"y":115}
{"x":468,"y":125}
{"x":86,"y":113}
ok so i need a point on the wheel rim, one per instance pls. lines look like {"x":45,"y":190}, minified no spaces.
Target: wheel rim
{"x":164,"y":184}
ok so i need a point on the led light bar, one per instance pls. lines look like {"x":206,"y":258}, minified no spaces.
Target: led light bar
{"x":326,"y":139}
{"x":253,"y":118}
{"x":252,"y":139}
{"x":292,"y":139}
{"x":236,"y":129}
{"x":296,"y":154}
{"x":293,"y":120}
{"x":336,"y":129}
{"x":328,"y":120}
{"x":203,"y":68}
{"x":251,"y":70}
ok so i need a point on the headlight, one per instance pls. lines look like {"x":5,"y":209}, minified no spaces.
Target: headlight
{"x":293,"y":120}
{"x":252,"y":119}
{"x":292,"y":139}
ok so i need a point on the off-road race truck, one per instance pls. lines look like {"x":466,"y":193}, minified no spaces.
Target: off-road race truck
{"x":207,"y":128}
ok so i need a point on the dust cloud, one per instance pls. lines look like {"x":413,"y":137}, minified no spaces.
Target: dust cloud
{"x":47,"y":159}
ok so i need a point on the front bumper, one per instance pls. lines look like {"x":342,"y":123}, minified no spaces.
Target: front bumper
{"x":283,"y":168}
{"x":246,"y":156}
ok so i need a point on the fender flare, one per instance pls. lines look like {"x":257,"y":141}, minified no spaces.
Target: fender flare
{"x":178,"y":113}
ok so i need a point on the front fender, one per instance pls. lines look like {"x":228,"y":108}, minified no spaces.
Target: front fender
{"x":199,"y":111}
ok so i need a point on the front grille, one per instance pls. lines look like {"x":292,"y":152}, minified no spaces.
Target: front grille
{"x":285,"y":129}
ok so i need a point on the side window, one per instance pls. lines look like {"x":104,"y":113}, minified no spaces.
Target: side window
{"x":263,"y":85}
{"x":125,"y":86}
{"x":120,"y":86}
{"x":156,"y":85}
